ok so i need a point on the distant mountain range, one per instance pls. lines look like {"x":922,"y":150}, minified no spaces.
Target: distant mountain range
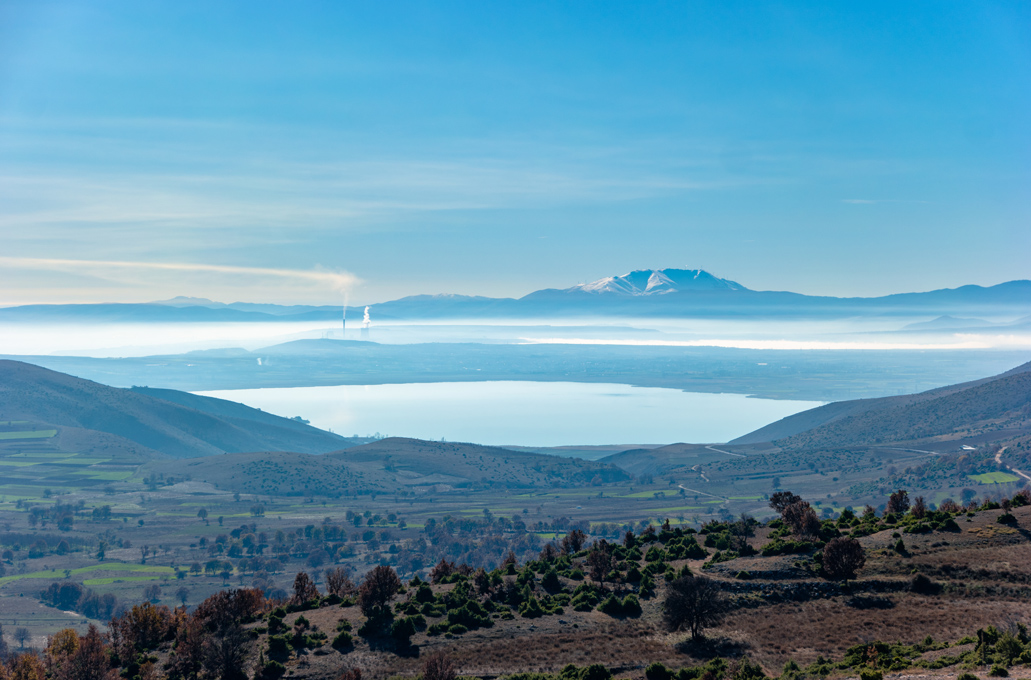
{"x":642,"y":293}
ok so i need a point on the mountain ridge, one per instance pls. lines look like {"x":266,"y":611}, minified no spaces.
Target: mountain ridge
{"x":645,"y":292}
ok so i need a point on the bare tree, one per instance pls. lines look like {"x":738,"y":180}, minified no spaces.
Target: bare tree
{"x":21,"y":636}
{"x":339,"y":583}
{"x":183,"y":594}
{"x":693,"y":603}
{"x":304,"y":589}
{"x":843,"y":558}
{"x":152,"y":592}
{"x":599,"y":560}
{"x":224,"y":653}
{"x":803,"y":520}
{"x":574,"y":541}
{"x":438,"y":666}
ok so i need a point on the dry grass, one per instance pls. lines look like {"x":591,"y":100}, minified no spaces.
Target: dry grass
{"x":803,"y":631}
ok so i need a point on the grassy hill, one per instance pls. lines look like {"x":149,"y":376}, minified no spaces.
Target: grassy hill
{"x":195,"y":426}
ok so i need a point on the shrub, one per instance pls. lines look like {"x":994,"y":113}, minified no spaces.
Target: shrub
{"x":870,"y":674}
{"x":278,"y":645}
{"x":343,"y":640}
{"x":595,"y":672}
{"x":1006,"y":518}
{"x":998,"y":671}
{"x":967,"y":676}
{"x":531,"y":609}
{"x":924,"y":586}
{"x":611,"y":606}
{"x":272,"y":670}
{"x":402,"y":630}
{"x":843,"y":558}
{"x":631,"y":606}
{"x":657,"y":671}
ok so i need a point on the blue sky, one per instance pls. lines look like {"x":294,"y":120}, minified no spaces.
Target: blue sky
{"x":498,"y":148}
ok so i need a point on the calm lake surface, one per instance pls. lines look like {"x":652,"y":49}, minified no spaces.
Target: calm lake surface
{"x":522,"y":412}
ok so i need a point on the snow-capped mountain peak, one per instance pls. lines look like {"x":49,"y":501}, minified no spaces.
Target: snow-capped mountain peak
{"x":658,"y":282}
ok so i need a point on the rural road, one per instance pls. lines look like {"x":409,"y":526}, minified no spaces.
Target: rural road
{"x":998,"y":461}
{"x":729,"y":453}
{"x":701,"y":492}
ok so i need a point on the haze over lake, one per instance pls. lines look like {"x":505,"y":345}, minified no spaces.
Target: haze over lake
{"x":527,"y":413}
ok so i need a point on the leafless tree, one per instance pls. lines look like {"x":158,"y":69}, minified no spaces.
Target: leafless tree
{"x":438,"y":666}
{"x":304,"y":588}
{"x":339,"y":583}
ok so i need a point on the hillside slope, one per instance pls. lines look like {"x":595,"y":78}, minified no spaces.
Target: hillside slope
{"x":391,"y":465}
{"x":31,"y":393}
{"x":867,"y":416}
{"x":1000,"y":403}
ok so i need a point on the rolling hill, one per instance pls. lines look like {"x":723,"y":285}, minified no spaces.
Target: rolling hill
{"x":999,"y":403}
{"x":392,"y":465}
{"x":161,"y":421}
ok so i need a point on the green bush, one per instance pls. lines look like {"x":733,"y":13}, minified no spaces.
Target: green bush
{"x":998,"y":671}
{"x":657,"y":671}
{"x":457,"y":629}
{"x":1006,"y":518}
{"x":278,"y":645}
{"x":343,"y":640}
{"x":870,"y":674}
{"x":531,"y":609}
{"x":595,"y":672}
{"x":272,"y":670}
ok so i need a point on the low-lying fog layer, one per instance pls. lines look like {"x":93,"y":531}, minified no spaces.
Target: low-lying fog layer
{"x":146,"y":339}
{"x":523,"y":413}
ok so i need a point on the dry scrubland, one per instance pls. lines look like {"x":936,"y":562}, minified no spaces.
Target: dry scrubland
{"x":949,"y":589}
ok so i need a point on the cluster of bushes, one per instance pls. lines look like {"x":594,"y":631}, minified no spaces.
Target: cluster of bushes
{"x":68,"y":595}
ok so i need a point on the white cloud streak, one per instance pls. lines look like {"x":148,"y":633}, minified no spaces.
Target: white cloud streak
{"x":337,"y":281}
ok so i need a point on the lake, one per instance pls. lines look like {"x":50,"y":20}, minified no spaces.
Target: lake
{"x":523,"y":413}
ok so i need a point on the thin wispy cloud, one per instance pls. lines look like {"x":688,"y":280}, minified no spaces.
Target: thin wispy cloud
{"x":149,"y":278}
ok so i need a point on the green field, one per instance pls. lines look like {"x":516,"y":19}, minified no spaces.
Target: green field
{"x":995,"y":478}
{"x":108,"y":566}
